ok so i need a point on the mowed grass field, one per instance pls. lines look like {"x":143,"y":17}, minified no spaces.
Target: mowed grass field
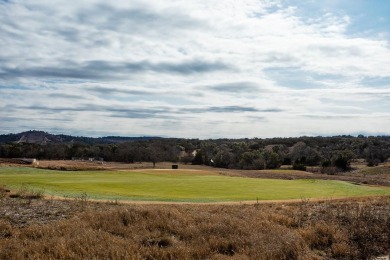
{"x":176,"y":185}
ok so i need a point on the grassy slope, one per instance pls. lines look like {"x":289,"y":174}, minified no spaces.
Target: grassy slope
{"x":177,"y":185}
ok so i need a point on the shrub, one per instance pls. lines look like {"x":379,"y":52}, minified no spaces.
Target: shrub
{"x":299,"y":167}
{"x":329,"y":170}
{"x":3,"y":191}
{"x":24,"y":192}
{"x":5,"y":229}
{"x":372,"y":163}
{"x":326,"y":164}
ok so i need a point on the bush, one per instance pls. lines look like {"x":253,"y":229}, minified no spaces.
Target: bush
{"x":329,"y":170}
{"x":299,"y":167}
{"x":198,"y":158}
{"x":342,"y":160}
{"x":326,"y":164}
{"x":5,"y":229}
{"x":372,"y":163}
{"x":24,"y":192}
{"x":342,"y":163}
{"x":3,"y":191}
{"x":287,"y":161}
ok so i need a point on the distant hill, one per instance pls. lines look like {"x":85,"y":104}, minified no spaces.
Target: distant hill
{"x":41,"y":137}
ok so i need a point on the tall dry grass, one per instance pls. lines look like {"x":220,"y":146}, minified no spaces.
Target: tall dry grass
{"x":353,"y":229}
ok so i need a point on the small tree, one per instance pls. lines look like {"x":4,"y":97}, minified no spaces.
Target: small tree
{"x":342,"y":160}
{"x":271,"y":159}
{"x":198,"y":158}
{"x":154,"y":155}
{"x":186,"y":159}
{"x":299,"y":167}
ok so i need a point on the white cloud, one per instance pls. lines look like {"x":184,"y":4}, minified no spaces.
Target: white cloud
{"x":202,"y":63}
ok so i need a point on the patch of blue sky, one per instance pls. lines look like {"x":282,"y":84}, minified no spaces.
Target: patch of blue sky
{"x":377,"y":82}
{"x":367,"y":17}
{"x":296,"y":78}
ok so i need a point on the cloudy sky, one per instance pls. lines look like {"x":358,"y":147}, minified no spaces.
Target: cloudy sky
{"x":201,"y":69}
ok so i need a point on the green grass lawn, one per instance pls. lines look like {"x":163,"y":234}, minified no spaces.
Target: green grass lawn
{"x":181,"y":185}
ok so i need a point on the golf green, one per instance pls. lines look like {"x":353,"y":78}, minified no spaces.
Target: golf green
{"x":180,"y":185}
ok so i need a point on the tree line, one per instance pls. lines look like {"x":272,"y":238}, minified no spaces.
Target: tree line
{"x":248,"y":154}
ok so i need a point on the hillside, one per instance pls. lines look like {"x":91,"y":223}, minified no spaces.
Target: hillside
{"x":41,"y":137}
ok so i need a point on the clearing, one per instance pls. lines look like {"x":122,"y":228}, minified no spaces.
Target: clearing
{"x":177,"y":185}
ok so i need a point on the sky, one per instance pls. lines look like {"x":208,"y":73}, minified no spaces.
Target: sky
{"x":195,"y":69}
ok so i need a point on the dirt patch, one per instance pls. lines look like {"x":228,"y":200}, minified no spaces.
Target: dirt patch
{"x":21,"y":212}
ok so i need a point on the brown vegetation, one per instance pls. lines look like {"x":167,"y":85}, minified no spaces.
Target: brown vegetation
{"x":347,"y":229}
{"x":374,"y":179}
{"x":67,"y":165}
{"x":379,"y":175}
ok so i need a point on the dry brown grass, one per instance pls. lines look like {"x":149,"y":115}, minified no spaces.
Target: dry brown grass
{"x":348,"y":229}
{"x":379,"y":175}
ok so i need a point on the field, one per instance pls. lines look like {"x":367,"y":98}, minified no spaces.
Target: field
{"x":118,"y":226}
{"x":177,"y":185}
